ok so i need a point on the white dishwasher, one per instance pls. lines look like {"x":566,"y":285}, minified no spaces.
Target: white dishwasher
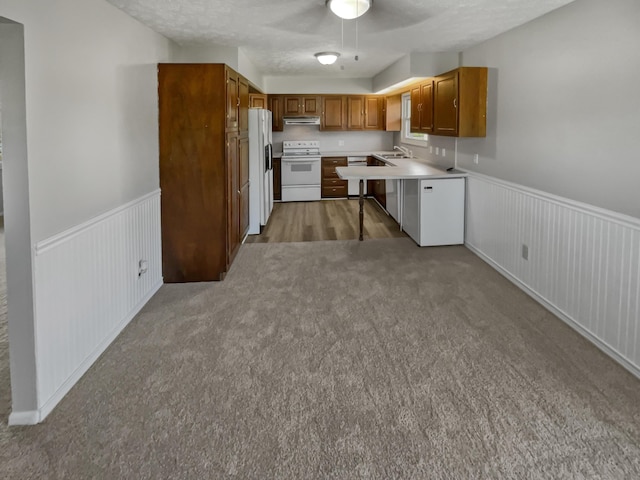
{"x":433,"y":211}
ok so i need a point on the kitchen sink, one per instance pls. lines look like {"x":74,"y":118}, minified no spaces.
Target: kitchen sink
{"x":390,"y":156}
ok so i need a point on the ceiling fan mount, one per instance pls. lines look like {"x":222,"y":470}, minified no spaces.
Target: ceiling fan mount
{"x":349,"y":9}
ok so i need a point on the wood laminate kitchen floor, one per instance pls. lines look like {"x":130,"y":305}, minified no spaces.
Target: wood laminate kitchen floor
{"x":325,"y":220}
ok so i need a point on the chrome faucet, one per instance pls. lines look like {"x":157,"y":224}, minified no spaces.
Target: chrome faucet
{"x":404,"y":150}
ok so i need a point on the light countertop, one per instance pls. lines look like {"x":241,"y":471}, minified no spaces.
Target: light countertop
{"x":398,"y":168}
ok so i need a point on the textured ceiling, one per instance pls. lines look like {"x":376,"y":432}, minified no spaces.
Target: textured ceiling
{"x":281,"y":36}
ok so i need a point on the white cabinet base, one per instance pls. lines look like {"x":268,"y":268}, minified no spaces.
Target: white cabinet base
{"x":303,"y":193}
{"x":433,"y":211}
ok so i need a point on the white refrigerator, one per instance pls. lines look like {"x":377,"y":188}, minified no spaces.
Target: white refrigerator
{"x":260,"y":169}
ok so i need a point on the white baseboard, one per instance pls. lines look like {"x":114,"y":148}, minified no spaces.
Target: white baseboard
{"x":84,"y":366}
{"x":31,"y":417}
{"x":559,"y":313}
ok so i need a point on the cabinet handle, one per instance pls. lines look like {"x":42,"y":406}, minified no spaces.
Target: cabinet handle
{"x":455,"y":103}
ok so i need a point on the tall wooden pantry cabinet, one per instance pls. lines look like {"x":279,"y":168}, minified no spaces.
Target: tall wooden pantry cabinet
{"x":204,"y":169}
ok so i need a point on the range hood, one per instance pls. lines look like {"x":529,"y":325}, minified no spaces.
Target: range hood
{"x":309,"y":120}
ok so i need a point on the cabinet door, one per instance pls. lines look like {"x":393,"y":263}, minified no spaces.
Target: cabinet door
{"x":277,"y":179}
{"x":232,"y":101}
{"x":426,"y":107}
{"x":380,"y":188}
{"x":233,"y":212}
{"x":393,"y":113}
{"x":276,"y":107}
{"x":243,"y":200}
{"x":333,"y":113}
{"x":355,"y":112}
{"x":257,"y":100}
{"x":292,"y":105}
{"x":445,"y":105}
{"x":371,"y":184}
{"x":311,"y":105}
{"x":243,"y":104}
{"x":373,"y":113}
{"x":415,"y":109}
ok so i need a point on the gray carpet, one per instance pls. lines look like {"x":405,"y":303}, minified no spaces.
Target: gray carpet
{"x":341,"y":360}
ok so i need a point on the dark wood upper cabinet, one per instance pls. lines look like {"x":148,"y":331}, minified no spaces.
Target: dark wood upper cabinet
{"x":393,"y":113}
{"x":292,"y":105}
{"x":258,"y":100}
{"x":302,"y":105}
{"x":422,"y":107}
{"x":374,"y":113}
{"x":460,"y":102}
{"x":233,"y":100}
{"x":311,"y":105}
{"x":334,"y":113}
{"x":355,"y":112}
{"x":276,"y":105}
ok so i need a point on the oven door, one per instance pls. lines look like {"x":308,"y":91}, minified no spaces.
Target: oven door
{"x":300,"y":171}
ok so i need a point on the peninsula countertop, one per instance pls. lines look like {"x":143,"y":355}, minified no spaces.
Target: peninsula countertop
{"x":398,"y":168}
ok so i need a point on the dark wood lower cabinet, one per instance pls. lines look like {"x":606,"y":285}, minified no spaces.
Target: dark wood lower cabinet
{"x":332,"y":185}
{"x":277,"y":179}
{"x":377,"y":188}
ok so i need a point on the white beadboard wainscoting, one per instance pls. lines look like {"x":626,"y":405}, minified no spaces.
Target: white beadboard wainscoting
{"x":87,"y":289}
{"x":583,"y":262}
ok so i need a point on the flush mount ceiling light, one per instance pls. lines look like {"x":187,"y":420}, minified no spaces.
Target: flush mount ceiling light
{"x":327,"y":58}
{"x":349,"y":9}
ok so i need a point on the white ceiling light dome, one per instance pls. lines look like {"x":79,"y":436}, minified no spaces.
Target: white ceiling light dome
{"x":327,"y":58}
{"x":349,"y":9}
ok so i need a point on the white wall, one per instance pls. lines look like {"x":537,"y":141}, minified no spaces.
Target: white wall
{"x":564,"y":105}
{"x":327,"y":85}
{"x":232,"y":56}
{"x":415,"y":65}
{"x":17,"y":222}
{"x":330,"y":141}
{"x":206,"y":54}
{"x":91,"y":108}
{"x":88,"y":138}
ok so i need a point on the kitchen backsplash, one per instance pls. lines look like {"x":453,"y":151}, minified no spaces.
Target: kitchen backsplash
{"x":352,"y":141}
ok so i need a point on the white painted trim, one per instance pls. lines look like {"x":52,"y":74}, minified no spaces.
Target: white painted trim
{"x":585,"y":263}
{"x":608,"y":215}
{"x":99,"y":350}
{"x":30,"y":417}
{"x":610,"y":351}
{"x":55,"y":240}
{"x":87,"y":289}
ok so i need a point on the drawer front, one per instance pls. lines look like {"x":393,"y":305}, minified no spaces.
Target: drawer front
{"x":329,"y":171}
{"x":335,"y":161}
{"x":337,"y":191}
{"x":334,"y":182}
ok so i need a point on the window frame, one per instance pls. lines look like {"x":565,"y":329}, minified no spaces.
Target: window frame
{"x":417,"y":139}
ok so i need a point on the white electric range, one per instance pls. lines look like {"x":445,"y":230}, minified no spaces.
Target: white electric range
{"x":301,"y":175}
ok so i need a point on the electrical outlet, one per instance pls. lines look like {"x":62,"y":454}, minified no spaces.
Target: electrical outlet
{"x":143,"y":266}
{"x":444,"y":152}
{"x":437,"y":150}
{"x":475,"y":158}
{"x":525,"y":252}
{"x":341,"y":143}
{"x":430,"y":149}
